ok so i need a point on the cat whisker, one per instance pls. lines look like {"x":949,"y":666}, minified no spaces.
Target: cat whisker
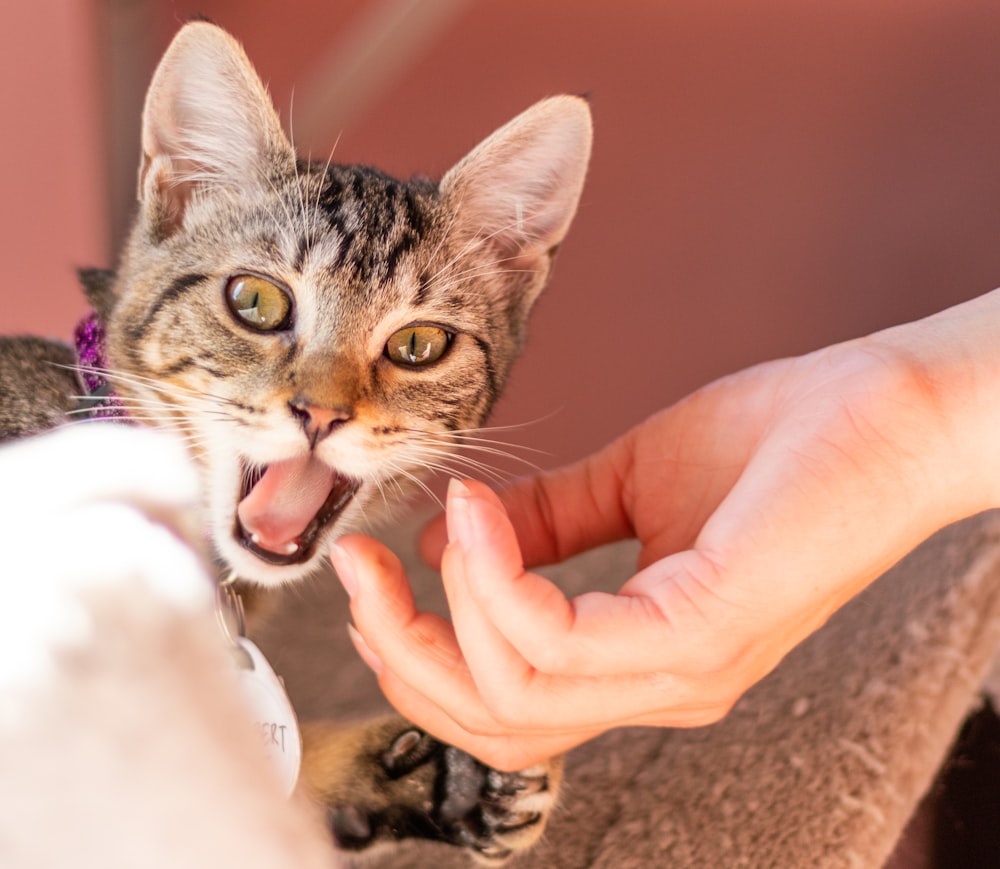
{"x":205,"y":410}
{"x":138,"y":403}
{"x":391,"y":507}
{"x":503,"y":448}
{"x":206,"y":405}
{"x":465,"y":279}
{"x":153,"y":384}
{"x":441,"y":456}
{"x":477,"y":241}
{"x":323,"y":177}
{"x":172,"y":422}
{"x":513,"y":426}
{"x":465,"y":452}
{"x":75,"y":423}
{"x":154,"y":413}
{"x":289,"y":221}
{"x":306,"y":206}
{"x":471,"y":274}
{"x":502,"y":452}
{"x":479,"y":265}
{"x":420,"y":484}
{"x":433,"y":280}
{"x":299,"y":180}
{"x":450,"y":463}
{"x":307,"y":224}
{"x":464,"y":251}
{"x":458,"y":469}
{"x":475,"y":439}
{"x":193,"y":440}
{"x":381,"y":491}
{"x":445,"y":235}
{"x":398,"y":471}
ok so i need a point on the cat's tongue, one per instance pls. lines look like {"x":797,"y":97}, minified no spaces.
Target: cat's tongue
{"x":284,"y":501}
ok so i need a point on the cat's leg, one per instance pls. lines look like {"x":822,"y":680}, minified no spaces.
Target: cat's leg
{"x":384,"y":780}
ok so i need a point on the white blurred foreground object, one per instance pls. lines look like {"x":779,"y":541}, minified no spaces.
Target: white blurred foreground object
{"x":125,"y":741}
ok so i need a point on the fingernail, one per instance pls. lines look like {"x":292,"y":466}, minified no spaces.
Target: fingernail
{"x":458,"y":488}
{"x":343,"y":564}
{"x":459,"y":516}
{"x":373,"y":661}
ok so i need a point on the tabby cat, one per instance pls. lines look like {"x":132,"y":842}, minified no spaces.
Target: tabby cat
{"x":319,"y":334}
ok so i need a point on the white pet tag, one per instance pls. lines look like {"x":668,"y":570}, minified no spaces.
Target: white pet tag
{"x":272,"y":714}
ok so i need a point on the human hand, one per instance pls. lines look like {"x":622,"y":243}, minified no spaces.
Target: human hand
{"x":762,"y":502}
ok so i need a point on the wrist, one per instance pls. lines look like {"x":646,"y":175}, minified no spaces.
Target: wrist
{"x":947,"y":368}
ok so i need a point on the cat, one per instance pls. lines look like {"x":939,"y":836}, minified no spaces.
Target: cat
{"x":319,"y":335}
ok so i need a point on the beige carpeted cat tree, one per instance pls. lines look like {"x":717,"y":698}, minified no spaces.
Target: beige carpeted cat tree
{"x":821,"y":765}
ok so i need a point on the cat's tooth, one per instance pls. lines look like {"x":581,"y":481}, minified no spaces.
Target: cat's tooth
{"x":289,"y":548}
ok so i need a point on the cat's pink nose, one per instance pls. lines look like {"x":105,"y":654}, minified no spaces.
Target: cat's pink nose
{"x":318,"y":422}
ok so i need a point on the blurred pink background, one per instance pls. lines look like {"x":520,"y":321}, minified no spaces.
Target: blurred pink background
{"x":768,"y":177}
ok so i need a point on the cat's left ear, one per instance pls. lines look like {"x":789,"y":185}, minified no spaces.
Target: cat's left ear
{"x":208,"y":123}
{"x":519,"y":189}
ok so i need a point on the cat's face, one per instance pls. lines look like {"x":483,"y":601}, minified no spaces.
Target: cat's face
{"x":322,"y":335}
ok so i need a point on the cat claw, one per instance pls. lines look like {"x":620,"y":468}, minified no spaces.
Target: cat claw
{"x":439,"y":792}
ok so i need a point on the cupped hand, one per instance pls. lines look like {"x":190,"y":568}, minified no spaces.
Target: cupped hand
{"x":763,"y":502}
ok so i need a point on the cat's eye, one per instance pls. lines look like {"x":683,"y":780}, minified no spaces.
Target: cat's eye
{"x":418,"y":345}
{"x":258,"y":303}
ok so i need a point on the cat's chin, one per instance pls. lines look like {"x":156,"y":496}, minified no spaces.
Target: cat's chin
{"x":248,"y":566}
{"x":249,"y":569}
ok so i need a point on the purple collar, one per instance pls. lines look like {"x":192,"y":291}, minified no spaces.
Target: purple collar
{"x":102,"y":401}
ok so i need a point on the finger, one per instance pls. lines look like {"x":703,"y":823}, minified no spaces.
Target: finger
{"x":495,"y":666}
{"x":498,"y":669}
{"x":419,"y":649}
{"x":565,"y":713}
{"x":509,"y":752}
{"x":419,"y":656}
{"x":595,"y":634}
{"x":433,"y":540}
{"x":501,"y":748}
{"x":505,"y":747}
{"x":485,"y":555}
{"x":512,"y":749}
{"x":519,"y":694}
{"x":382,"y":603}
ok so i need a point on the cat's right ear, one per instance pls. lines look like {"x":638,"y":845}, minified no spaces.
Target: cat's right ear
{"x":208,"y":123}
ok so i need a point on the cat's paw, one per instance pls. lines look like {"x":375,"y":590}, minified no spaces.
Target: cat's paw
{"x":492,"y":813}
{"x":420,"y":788}
{"x":88,"y":510}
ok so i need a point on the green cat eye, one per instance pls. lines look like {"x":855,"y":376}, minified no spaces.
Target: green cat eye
{"x":258,"y":303}
{"x":417,"y":345}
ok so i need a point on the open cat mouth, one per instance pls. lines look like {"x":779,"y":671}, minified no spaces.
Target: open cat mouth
{"x":284,"y":507}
